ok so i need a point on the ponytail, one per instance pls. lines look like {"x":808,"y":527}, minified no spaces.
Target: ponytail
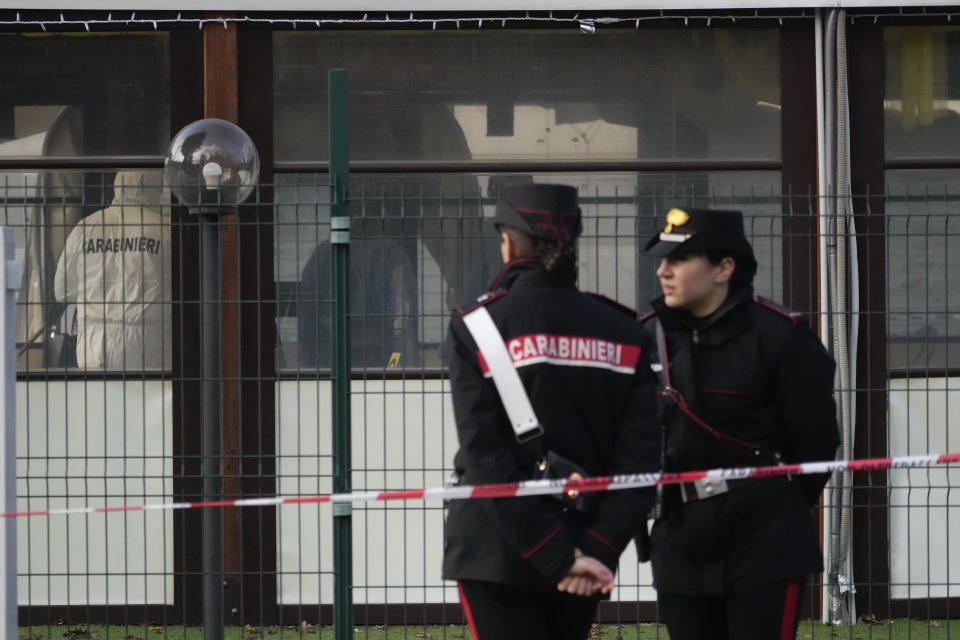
{"x":558,"y":261}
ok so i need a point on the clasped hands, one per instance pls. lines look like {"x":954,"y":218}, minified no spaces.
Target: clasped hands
{"x":586,"y":577}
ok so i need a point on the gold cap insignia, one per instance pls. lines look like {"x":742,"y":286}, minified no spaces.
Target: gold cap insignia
{"x":675,"y":217}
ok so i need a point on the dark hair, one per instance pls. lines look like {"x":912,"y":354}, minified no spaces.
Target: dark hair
{"x":559,"y":261}
{"x":743,"y":271}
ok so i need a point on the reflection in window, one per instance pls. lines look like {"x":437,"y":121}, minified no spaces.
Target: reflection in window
{"x":118,"y":85}
{"x":421,"y":244}
{"x":923,"y":270}
{"x":383,"y":296}
{"x":567,"y":131}
{"x":511,"y":94}
{"x":76,"y":97}
{"x":399,"y":293}
{"x":922,"y":92}
{"x":418,"y":248}
{"x":41,"y":207}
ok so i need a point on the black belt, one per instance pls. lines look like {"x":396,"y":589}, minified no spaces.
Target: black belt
{"x":710,"y":488}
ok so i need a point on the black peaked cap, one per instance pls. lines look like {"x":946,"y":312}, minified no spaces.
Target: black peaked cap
{"x":701,"y":230}
{"x":548,"y":211}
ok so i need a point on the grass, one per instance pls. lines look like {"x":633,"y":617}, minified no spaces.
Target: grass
{"x":808,"y":630}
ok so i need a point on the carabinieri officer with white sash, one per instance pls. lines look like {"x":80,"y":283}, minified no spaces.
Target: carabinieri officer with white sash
{"x":536,"y":567}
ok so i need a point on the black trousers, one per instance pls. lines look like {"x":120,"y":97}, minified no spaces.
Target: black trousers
{"x":767,"y":612}
{"x":505,"y":612}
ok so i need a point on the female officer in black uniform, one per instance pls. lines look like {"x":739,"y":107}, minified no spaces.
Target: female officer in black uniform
{"x":531,"y":567}
{"x":744,"y":382}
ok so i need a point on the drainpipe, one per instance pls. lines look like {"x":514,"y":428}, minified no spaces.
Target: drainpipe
{"x":841,"y":256}
{"x":824,"y":187}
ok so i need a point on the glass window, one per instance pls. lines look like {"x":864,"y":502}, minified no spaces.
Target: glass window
{"x":96,"y":291}
{"x":923,"y":270}
{"x":116,"y":85}
{"x":509,"y":94}
{"x":922,"y":94}
{"x":75,"y":96}
{"x":420,"y":246}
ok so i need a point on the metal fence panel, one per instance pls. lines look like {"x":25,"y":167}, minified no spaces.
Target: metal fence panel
{"x":124,"y":436}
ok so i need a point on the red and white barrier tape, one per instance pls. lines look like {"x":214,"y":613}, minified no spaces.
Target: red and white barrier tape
{"x":536,"y":487}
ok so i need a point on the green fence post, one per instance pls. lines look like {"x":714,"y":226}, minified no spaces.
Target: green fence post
{"x":339,"y":132}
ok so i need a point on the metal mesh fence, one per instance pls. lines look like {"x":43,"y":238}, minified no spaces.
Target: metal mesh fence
{"x":109,"y":403}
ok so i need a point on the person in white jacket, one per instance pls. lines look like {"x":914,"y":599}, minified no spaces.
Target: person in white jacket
{"x":115,"y":268}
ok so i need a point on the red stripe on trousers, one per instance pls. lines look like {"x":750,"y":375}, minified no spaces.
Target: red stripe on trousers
{"x":466,"y":610}
{"x":790,"y":610}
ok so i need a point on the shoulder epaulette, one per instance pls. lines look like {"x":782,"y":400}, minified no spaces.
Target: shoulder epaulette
{"x":485,"y":298}
{"x":792,"y":316}
{"x":610,"y":302}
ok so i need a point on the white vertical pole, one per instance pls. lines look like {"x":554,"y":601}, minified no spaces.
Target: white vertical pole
{"x":10,"y":276}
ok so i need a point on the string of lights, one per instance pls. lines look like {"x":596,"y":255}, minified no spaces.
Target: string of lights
{"x":586,"y":22}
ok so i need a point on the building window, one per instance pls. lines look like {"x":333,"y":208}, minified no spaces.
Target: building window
{"x":922,"y":131}
{"x":72,"y":96}
{"x":421,"y":246}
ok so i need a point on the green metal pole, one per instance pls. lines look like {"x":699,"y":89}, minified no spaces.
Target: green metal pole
{"x":339,"y":130}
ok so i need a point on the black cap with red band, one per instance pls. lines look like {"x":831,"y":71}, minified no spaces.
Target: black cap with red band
{"x":547,"y":211}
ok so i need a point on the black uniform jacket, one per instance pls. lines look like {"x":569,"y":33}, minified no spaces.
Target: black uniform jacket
{"x":583,"y":361}
{"x":759,"y":376}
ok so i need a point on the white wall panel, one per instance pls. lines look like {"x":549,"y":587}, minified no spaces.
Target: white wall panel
{"x":404,"y":437}
{"x":924,"y":519}
{"x":89,"y":443}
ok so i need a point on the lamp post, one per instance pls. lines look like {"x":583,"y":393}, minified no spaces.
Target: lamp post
{"x":212,"y":166}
